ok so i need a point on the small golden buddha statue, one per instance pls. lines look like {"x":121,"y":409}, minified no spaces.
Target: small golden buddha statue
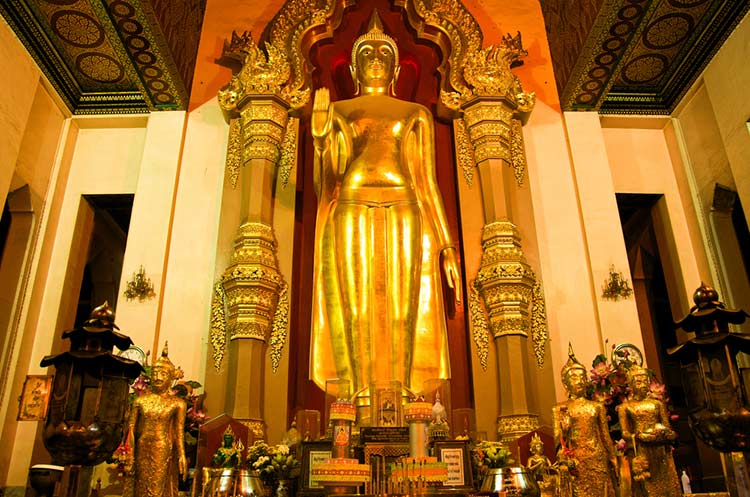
{"x":229,"y":454}
{"x":382,"y":240}
{"x":157,"y":422}
{"x":645,"y":426}
{"x":586,"y":452}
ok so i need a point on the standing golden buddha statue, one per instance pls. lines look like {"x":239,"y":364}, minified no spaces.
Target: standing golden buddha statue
{"x":157,"y":424}
{"x":580,"y":426}
{"x":382,"y":239}
{"x":645,"y":427}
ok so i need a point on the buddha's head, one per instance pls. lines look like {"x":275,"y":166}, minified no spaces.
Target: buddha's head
{"x":163,"y":372}
{"x":574,"y":376}
{"x":228,"y":437}
{"x":374,"y":63}
{"x":639,"y":381}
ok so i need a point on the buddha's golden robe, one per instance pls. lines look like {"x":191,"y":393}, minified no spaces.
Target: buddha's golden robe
{"x":648,"y":421}
{"x":378,"y":312}
{"x":157,"y":422}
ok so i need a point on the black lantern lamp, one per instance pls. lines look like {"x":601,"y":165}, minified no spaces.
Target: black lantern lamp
{"x":85,"y":421}
{"x":715,"y":390}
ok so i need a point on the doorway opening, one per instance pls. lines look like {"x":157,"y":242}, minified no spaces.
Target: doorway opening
{"x":100,"y":280}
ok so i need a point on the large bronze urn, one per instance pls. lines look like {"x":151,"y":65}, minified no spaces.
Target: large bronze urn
{"x":716,"y":387}
{"x":85,"y":421}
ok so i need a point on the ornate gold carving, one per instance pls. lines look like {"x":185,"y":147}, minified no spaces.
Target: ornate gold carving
{"x":539,"y":333}
{"x":465,"y":151}
{"x":511,"y":427}
{"x":517,"y":152}
{"x":234,"y":152}
{"x":488,"y":70}
{"x":479,"y":326}
{"x":489,"y":122}
{"x":452,"y":27}
{"x":256,"y":426}
{"x":261,"y":73}
{"x":218,"y":331}
{"x":505,"y":280}
{"x":280,"y":68}
{"x":263,"y":123}
{"x":279,"y":329}
{"x":246,"y":300}
{"x":288,"y":152}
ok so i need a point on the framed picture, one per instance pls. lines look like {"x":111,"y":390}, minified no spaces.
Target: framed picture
{"x":312,"y":453}
{"x":456,"y":454}
{"x":32,"y":405}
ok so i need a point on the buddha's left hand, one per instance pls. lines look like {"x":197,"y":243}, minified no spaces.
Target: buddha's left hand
{"x":183,"y":467}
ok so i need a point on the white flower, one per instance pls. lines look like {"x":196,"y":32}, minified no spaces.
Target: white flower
{"x":282,"y":449}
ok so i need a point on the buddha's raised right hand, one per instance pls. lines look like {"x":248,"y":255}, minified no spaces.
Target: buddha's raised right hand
{"x":322,"y":117}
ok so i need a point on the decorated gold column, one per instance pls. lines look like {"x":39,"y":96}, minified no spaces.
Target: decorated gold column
{"x":490,"y":139}
{"x":250,"y":306}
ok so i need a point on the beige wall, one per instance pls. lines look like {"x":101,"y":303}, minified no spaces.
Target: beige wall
{"x":710,"y":130}
{"x":641,"y":163}
{"x":726,"y":78}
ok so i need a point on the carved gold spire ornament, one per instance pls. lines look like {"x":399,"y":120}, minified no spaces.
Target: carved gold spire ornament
{"x":511,"y":292}
{"x":505,"y":280}
{"x":251,"y":299}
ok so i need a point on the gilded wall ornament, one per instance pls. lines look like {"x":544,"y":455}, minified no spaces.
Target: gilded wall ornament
{"x":479,"y":325}
{"x":517,"y":151}
{"x":234,"y":152}
{"x":616,"y":286}
{"x":288,"y":152}
{"x":279,"y":328}
{"x":464,"y":151}
{"x":218,"y":331}
{"x":139,"y":287}
{"x":539,"y":330}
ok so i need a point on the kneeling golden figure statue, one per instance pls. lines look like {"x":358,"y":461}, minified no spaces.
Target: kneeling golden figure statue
{"x":157,"y":422}
{"x":645,"y":426}
{"x":541,"y":468}
{"x":382,"y":239}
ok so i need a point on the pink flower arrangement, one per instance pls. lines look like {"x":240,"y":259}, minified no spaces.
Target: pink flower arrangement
{"x":609,"y":383}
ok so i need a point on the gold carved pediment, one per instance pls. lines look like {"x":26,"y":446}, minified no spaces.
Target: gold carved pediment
{"x":279,"y":64}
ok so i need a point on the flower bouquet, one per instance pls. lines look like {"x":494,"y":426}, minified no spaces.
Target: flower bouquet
{"x":273,"y":463}
{"x":486,"y":456}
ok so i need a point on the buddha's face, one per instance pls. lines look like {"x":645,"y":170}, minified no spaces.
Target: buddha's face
{"x":375,"y":62}
{"x":161,"y":379}
{"x":639,"y":384}
{"x":575,"y":383}
{"x":228,"y":439}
